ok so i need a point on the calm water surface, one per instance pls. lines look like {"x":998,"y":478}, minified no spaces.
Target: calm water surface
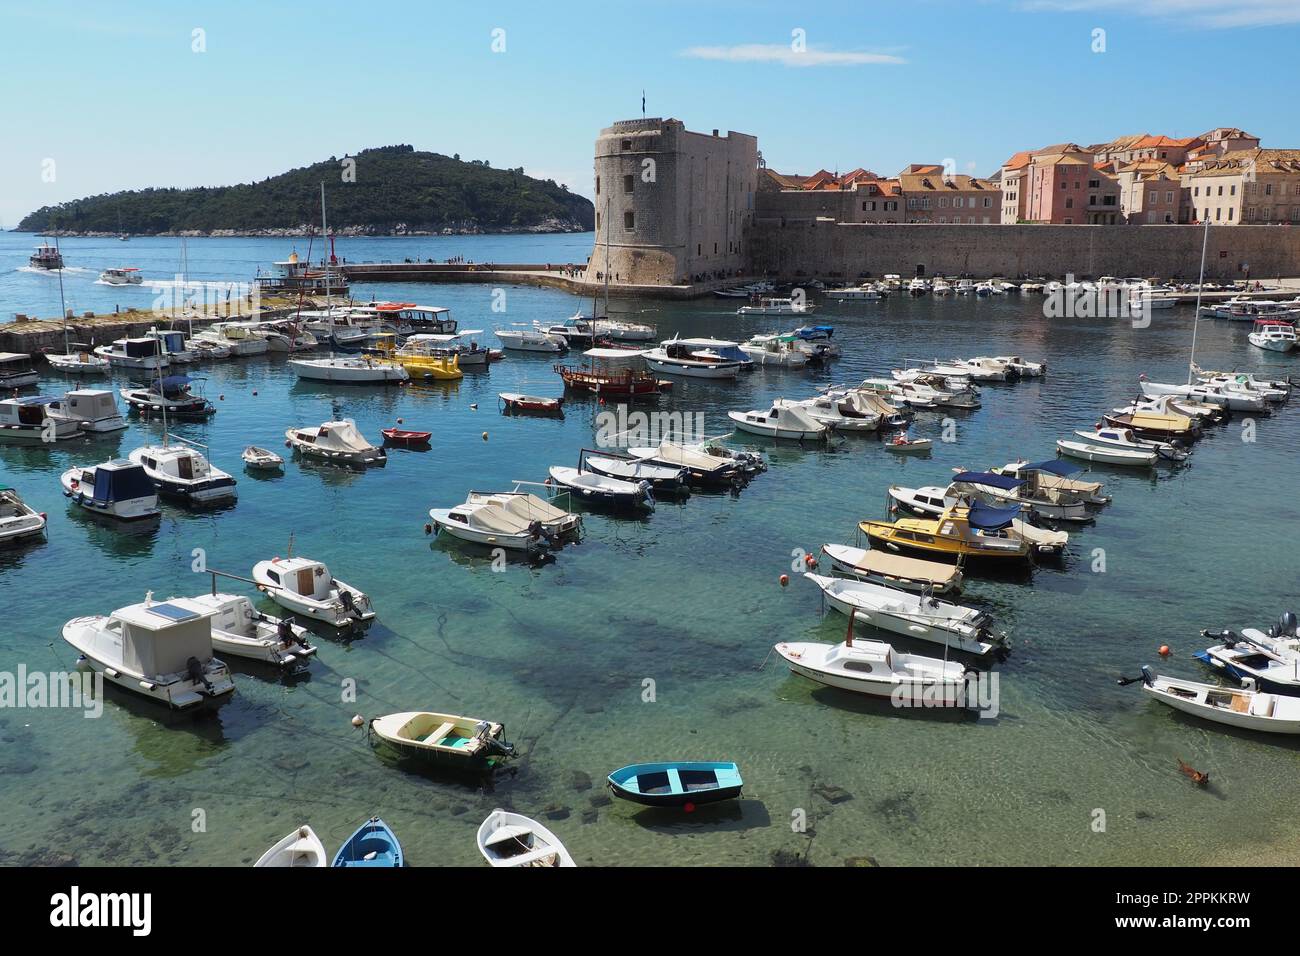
{"x":687,"y":598}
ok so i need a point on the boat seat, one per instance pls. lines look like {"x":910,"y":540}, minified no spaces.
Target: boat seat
{"x":1262,"y":706}
{"x":438,"y":734}
{"x":1240,"y":704}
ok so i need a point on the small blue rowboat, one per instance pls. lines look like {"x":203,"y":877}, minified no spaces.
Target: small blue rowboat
{"x":374,"y":844}
{"x":677,"y":783}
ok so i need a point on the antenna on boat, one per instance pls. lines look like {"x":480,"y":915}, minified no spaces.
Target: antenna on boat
{"x":289,"y":553}
{"x":1200,"y":286}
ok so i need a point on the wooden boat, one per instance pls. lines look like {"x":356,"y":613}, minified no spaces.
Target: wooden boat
{"x":912,"y":615}
{"x":894,"y":570}
{"x":604,"y":375}
{"x":306,"y":587}
{"x":900,"y":444}
{"x":594,"y":488}
{"x":540,"y":404}
{"x":1245,"y":708}
{"x":511,"y":839}
{"x":465,"y":742}
{"x":255,"y":457}
{"x":409,"y":439}
{"x":677,"y":783}
{"x":18,"y":520}
{"x":973,"y":531}
{"x":374,"y":844}
{"x":933,"y":501}
{"x":302,"y":847}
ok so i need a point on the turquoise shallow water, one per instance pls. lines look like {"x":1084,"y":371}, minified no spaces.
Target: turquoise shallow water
{"x":687,"y":598}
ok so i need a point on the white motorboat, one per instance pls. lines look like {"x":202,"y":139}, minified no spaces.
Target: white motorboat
{"x":988,"y":288}
{"x":620,"y":331}
{"x":894,"y":570}
{"x":240,"y":630}
{"x":1027,"y":491}
{"x":115,"y":489}
{"x":854,"y":293}
{"x":18,"y":520}
{"x":779,"y":350}
{"x":1229,"y":397}
{"x":1026,"y":368}
{"x":704,"y":467}
{"x":931,"y":500}
{"x":236,"y":336}
{"x":1107,"y":454}
{"x":206,"y":351}
{"x":1123,"y":438}
{"x":27,"y":420}
{"x":782,"y":420}
{"x":835,"y":412}
{"x":172,"y":344}
{"x":1244,"y":708}
{"x":302,"y":847}
{"x":866,"y":400}
{"x":499,"y":522}
{"x":127,"y":275}
{"x":144,"y":352}
{"x":913,"y":615}
{"x":162,"y":651}
{"x":284,"y":335}
{"x":1271,"y":660}
{"x":183,"y":472}
{"x":530,"y":340}
{"x":306,"y":587}
{"x":919,"y":287}
{"x":338,"y":442}
{"x":671,"y":479}
{"x":1055,"y":473}
{"x":83,"y":361}
{"x":697,"y":358}
{"x":964,"y":286}
{"x":93,"y":410}
{"x":876,"y":669}
{"x":1272,"y":390}
{"x":981,"y":369}
{"x":46,"y":257}
{"x":511,"y":839}
{"x":593,"y":488}
{"x":1142,"y":299}
{"x":817,"y":341}
{"x":170,"y":397}
{"x":942,"y":287}
{"x":261,"y":458}
{"x":1273,"y":335}
{"x":775,"y":306}
{"x":530,"y":508}
{"x":352,"y":370}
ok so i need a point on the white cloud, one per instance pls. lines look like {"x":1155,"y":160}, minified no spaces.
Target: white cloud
{"x":1210,"y":14}
{"x":787,"y":55}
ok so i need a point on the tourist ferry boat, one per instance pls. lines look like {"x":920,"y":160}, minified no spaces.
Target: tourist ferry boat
{"x":297,"y":277}
{"x":46,"y":256}
{"x":128,"y":275}
{"x":17,"y":370}
{"x":407,"y":318}
{"x":27,"y":420}
{"x":603,"y":377}
{"x":698,"y":358}
{"x":1274,"y":335}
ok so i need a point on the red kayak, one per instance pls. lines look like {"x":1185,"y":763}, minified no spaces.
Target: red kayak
{"x":399,"y":436}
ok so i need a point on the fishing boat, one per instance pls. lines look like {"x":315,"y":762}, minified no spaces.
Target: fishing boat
{"x":1271,"y":660}
{"x":1272,"y":390}
{"x":980,"y":369}
{"x":494,"y":525}
{"x":1107,"y":454}
{"x":894,"y":570}
{"x":1227,"y":396}
{"x":854,"y":293}
{"x":78,"y":359}
{"x":162,"y":651}
{"x":143,"y":352}
{"x":351,"y":370}
{"x":262,"y":459}
{"x":373,"y":844}
{"x":900,"y":444}
{"x":1057,"y":475}
{"x":1244,"y":708}
{"x":941,"y":287}
{"x":867,"y":401}
{"x":531,"y":508}
{"x":778,"y":350}
{"x":974,"y":532}
{"x":664,"y":479}
{"x":337,"y":442}
{"x":182,"y":472}
{"x":18,"y":520}
{"x":462,"y":346}
{"x":706,"y":469}
{"x":405,"y":437}
{"x":93,"y":410}
{"x":816,"y":341}
{"x":240,"y":630}
{"x":407,"y":318}
{"x":461,"y":742}
{"x":125,"y":275}
{"x":514,"y":402}
{"x":172,"y":396}
{"x":116,"y":489}
{"x":697,"y":358}
{"x":530,"y":340}
{"x":836,"y":412}
{"x":511,"y":839}
{"x":598,"y":489}
{"x":931,"y":500}
{"x":1124,"y":439}
{"x":919,"y":287}
{"x":27,"y":421}
{"x":1042,"y":498}
{"x":17,"y":371}
{"x":677,"y":783}
{"x":302,"y":848}
{"x":46,"y":257}
{"x":609,"y":376}
{"x":919,"y":616}
{"x":876,"y":669}
{"x":306,"y":587}
{"x":578,"y":332}
{"x":1155,"y":425}
{"x":782,"y":420}
{"x":298,"y":277}
{"x":284,"y":335}
{"x":617,"y":330}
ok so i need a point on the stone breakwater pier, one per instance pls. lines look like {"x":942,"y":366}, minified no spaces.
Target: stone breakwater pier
{"x":569,"y":278}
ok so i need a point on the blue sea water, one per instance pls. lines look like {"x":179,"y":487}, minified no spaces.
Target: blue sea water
{"x":650,"y":639}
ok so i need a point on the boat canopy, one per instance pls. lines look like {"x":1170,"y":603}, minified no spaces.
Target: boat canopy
{"x":815,"y":331}
{"x":614,"y":353}
{"x":1054,"y":466}
{"x":989,"y":518}
{"x":175,"y":381}
{"x":1005,"y":482}
{"x":121,"y":481}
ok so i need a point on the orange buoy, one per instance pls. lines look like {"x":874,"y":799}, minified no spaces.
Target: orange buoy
{"x":785,"y":579}
{"x":1164,"y":650}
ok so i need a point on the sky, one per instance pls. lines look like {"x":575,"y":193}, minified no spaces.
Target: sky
{"x":104,"y":96}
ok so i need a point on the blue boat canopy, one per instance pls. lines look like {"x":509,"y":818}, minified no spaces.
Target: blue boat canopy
{"x":815,"y":331}
{"x":175,"y":381}
{"x":1055,"y":466}
{"x":1005,"y":482}
{"x":989,"y":518}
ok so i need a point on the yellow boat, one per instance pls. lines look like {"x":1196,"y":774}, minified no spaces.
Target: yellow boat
{"x":419,"y":365}
{"x":976,"y":532}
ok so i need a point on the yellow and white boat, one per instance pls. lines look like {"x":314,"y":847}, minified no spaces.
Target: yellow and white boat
{"x":974,"y":531}
{"x":444,"y":738}
{"x":419,"y":364}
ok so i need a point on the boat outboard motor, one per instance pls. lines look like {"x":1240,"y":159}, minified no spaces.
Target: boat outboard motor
{"x":284,"y":631}
{"x":1286,"y":625}
{"x":483,"y":733}
{"x":1147,"y":677}
{"x":538,"y":532}
{"x":349,"y":605}
{"x":194,"y":670}
{"x":647,"y":493}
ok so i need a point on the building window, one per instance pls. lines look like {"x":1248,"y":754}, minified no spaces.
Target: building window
{"x":1069,"y":222}
{"x":943,"y":219}
{"x":715,"y":248}
{"x":1217,"y":211}
{"x":1064,"y":185}
{"x":598,"y":220}
{"x":1169,"y":195}
{"x":1092,"y":200}
{"x":1069,"y":203}
{"x":629,"y":221}
{"x":597,"y":185}
{"x":627,"y":183}
{"x":988,"y":202}
{"x":1268,"y":189}
{"x":1232,"y":191}
{"x":627,"y":144}
{"x":1094,"y":184}
{"x":1229,"y":214}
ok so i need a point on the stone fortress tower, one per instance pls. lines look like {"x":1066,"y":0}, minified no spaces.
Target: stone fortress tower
{"x":673,"y":206}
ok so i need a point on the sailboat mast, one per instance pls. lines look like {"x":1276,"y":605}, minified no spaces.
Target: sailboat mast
{"x":606,"y":259}
{"x":324,"y":231}
{"x":1200,"y":285}
{"x":63,"y":308}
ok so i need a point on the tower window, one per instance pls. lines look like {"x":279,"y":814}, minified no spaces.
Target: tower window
{"x":627,"y":144}
{"x":629,"y":221}
{"x":627,"y":183}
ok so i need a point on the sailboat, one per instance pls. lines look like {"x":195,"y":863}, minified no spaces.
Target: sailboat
{"x":81,"y":361}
